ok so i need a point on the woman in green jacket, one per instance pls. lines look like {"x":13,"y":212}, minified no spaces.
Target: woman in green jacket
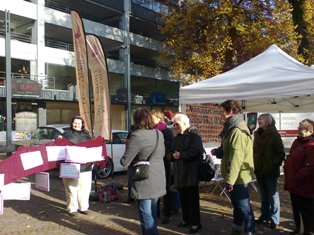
{"x":237,"y":166}
{"x":268,"y":156}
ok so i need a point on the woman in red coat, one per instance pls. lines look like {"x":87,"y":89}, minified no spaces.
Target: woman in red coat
{"x":299,"y":177}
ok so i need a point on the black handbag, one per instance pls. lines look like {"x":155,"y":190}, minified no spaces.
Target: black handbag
{"x":141,"y":168}
{"x":206,"y":169}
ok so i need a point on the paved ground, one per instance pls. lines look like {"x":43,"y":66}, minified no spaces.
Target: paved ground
{"x":45,"y":214}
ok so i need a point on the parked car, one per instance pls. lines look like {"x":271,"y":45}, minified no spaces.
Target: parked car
{"x":115,"y":147}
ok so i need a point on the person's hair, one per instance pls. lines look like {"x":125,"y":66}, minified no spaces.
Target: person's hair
{"x":231,"y":105}
{"x":80,"y":118}
{"x":182,"y":117}
{"x":157,"y":114}
{"x":268,"y":118}
{"x":307,"y":124}
{"x":143,"y":119}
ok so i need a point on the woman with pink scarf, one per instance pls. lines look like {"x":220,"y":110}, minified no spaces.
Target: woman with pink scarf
{"x":158,"y":119}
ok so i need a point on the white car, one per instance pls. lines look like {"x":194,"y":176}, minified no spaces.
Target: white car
{"x":115,"y":148}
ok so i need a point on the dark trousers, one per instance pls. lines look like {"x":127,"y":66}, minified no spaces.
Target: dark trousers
{"x":130,"y":180}
{"x":171,"y":203}
{"x":167,"y":203}
{"x":303,"y":206}
{"x":190,"y":204}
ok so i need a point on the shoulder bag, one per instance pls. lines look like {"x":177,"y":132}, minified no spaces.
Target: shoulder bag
{"x":141,"y":168}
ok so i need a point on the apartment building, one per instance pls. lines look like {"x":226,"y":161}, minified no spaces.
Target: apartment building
{"x":42,"y":59}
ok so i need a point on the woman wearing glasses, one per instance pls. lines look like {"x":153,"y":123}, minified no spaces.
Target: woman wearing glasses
{"x":299,"y":178}
{"x":187,"y":153}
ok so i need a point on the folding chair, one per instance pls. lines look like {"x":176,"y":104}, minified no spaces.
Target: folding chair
{"x":252,"y":183}
{"x":218,"y":182}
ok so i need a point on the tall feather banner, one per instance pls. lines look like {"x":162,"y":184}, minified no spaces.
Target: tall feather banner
{"x":99,"y":73}
{"x":81,"y":69}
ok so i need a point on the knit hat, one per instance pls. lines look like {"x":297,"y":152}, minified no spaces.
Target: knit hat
{"x":169,"y":114}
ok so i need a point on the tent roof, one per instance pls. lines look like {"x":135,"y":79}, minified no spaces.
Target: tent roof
{"x":271,"y":81}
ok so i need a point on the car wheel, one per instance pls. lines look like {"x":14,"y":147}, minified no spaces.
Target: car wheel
{"x":104,"y":172}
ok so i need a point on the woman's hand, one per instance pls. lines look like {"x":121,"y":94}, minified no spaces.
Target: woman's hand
{"x":176,"y":155}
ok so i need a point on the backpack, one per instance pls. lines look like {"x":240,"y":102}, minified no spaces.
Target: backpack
{"x":108,"y":193}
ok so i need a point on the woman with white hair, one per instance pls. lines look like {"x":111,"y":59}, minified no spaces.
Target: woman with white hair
{"x":268,"y":157}
{"x":188,"y":149}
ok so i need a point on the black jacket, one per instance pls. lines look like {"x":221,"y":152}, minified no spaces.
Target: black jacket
{"x":168,"y":136}
{"x":185,"y":169}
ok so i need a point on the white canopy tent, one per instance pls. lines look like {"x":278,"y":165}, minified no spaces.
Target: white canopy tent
{"x":272,"y":81}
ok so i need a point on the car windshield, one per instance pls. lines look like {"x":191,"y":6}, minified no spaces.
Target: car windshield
{"x":118,"y":138}
{"x":65,"y":129}
{"x":46,"y":133}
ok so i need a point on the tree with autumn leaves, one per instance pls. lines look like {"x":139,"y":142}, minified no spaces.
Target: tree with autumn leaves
{"x":208,"y":37}
{"x":303,"y":17}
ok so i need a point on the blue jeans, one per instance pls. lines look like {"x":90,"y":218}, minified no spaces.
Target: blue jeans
{"x":147,"y":209}
{"x":270,"y":204}
{"x":242,"y":210}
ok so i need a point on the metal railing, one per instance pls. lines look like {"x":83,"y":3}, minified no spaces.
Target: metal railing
{"x":57,"y":6}
{"x":152,"y":5}
{"x":17,"y":36}
{"x":59,"y":45}
{"x":45,"y":81}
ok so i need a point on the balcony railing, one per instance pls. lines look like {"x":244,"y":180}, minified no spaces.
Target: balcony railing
{"x":59,"y":45}
{"x":17,"y":36}
{"x":45,"y":81}
{"x":153,"y":5}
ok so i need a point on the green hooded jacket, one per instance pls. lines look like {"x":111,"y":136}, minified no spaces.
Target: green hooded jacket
{"x":237,"y":166}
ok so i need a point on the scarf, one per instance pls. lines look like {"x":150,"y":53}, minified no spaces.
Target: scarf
{"x":231,"y":123}
{"x":161,"y":126}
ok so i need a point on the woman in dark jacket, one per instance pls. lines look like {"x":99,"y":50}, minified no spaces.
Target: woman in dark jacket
{"x":142,"y":145}
{"x":299,"y":177}
{"x":188,"y":149}
{"x":77,"y":190}
{"x":268,"y":157}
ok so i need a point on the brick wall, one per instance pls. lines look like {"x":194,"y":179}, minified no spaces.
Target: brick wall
{"x":207,"y":118}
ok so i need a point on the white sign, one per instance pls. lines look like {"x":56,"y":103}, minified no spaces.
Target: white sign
{"x":42,"y":181}
{"x":83,"y":154}
{"x":31,"y":160}
{"x":16,"y":191}
{"x":1,"y":181}
{"x":55,"y":153}
{"x":75,"y":154}
{"x":69,"y":170}
{"x":94,"y":154}
{"x":290,"y":121}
